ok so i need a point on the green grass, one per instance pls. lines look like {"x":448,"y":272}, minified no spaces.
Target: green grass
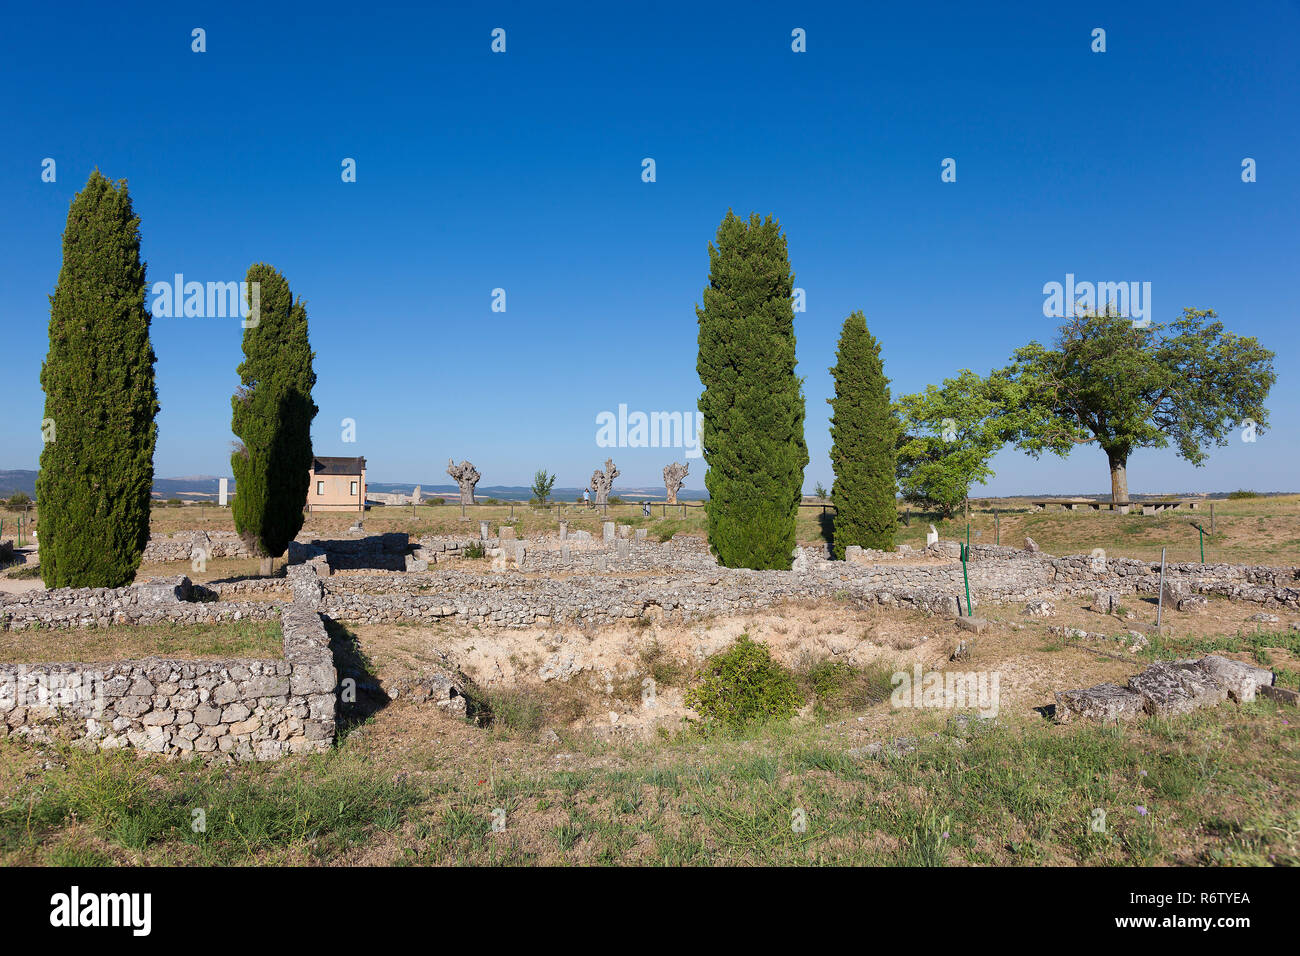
{"x":1256,"y":643}
{"x":1212,"y":788}
{"x":114,"y":807}
{"x":838,"y":687}
{"x":515,"y":711}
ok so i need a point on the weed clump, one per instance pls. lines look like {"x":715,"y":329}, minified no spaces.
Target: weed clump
{"x":742,"y":686}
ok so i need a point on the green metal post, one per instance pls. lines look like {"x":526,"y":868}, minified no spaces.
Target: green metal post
{"x":1201,"y":529}
{"x":970,"y":612}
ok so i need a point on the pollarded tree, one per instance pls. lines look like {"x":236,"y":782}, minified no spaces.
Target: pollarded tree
{"x":1125,"y":387}
{"x":273,"y":411}
{"x":752,"y":405}
{"x":864,"y":433}
{"x":96,"y":472}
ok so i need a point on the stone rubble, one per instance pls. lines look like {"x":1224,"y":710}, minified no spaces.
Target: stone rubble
{"x":1165,"y":689}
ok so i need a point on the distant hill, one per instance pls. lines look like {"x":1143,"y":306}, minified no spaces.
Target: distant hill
{"x":522,"y":493}
{"x":204,"y":487}
{"x":12,"y":482}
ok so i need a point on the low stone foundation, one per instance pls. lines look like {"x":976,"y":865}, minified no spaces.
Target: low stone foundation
{"x":251,"y":709}
{"x":246,"y":708}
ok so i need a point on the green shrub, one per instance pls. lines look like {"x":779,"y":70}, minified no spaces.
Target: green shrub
{"x":743,"y":685}
{"x":435,"y":501}
{"x":1242,"y":493}
{"x":473,"y":550}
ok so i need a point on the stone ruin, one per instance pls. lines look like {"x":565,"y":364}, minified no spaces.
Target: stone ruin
{"x":571,"y":579}
{"x":602,"y":481}
{"x":1167,"y":688}
{"x":674,"y":475}
{"x":466,"y":476}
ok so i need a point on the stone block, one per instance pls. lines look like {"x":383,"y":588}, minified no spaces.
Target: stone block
{"x":1241,"y":679}
{"x":1102,"y":702}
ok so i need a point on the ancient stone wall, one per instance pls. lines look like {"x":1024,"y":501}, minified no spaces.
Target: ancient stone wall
{"x":248,"y":709}
{"x":261,"y":709}
{"x":160,"y":601}
{"x":181,"y":546}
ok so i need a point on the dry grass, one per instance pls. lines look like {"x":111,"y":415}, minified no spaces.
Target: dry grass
{"x":1247,"y":531}
{"x":245,"y":638}
{"x":412,"y":786}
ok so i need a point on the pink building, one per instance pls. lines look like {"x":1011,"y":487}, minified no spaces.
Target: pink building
{"x":337,"y":484}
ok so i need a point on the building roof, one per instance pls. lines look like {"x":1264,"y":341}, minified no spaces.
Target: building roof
{"x":326,"y":465}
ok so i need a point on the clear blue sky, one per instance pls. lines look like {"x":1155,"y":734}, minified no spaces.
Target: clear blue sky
{"x":523,"y":171}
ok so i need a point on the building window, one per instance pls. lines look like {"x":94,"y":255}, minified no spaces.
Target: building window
{"x":320,"y":488}
{"x":354,"y":489}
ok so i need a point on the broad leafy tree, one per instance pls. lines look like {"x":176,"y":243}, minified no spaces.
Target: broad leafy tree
{"x":1189,"y":384}
{"x":542,"y":485}
{"x":96,"y":473}
{"x":950,"y":433}
{"x":752,"y":404}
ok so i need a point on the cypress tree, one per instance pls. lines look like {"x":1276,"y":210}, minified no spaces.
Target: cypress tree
{"x":752,"y":405}
{"x":864,"y":434}
{"x":273,"y":411}
{"x":96,"y":472}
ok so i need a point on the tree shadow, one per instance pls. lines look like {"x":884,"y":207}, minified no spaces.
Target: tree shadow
{"x":353,"y":665}
{"x":826,"y":525}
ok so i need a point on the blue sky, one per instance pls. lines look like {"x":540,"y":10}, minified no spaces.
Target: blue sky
{"x":522,"y":171}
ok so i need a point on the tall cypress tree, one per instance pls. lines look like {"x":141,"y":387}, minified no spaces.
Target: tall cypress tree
{"x":273,"y":411}
{"x":864,"y":434}
{"x":752,"y":404}
{"x":96,"y":472}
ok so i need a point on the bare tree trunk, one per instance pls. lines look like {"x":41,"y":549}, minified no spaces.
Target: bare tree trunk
{"x":1118,"y":477}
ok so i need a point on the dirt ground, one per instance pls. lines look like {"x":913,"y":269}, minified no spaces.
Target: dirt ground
{"x":602,"y":673}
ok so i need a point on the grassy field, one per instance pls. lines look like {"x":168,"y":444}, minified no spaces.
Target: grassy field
{"x":1215,"y":787}
{"x":407,"y":785}
{"x":244,"y":638}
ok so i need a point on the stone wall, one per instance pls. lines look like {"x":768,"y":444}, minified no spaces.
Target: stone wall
{"x":247,"y":709}
{"x":160,"y":601}
{"x":612,"y":584}
{"x":261,"y":709}
{"x":181,"y":546}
